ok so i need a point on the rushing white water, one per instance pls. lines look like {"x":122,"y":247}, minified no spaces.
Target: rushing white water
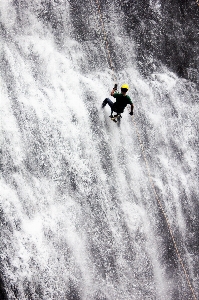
{"x":79,"y":217}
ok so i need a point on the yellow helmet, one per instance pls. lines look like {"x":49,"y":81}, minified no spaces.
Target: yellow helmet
{"x":125,"y":86}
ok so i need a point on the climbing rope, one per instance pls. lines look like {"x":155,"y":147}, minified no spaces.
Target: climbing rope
{"x":163,"y":212}
{"x":146,"y":162}
{"x":105,"y":40}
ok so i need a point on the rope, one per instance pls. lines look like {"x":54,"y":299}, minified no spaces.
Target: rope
{"x":147,"y":165}
{"x":164,"y":214}
{"x":106,"y":40}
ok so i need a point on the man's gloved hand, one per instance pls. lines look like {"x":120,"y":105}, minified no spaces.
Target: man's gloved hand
{"x":131,"y":113}
{"x":115,"y":87}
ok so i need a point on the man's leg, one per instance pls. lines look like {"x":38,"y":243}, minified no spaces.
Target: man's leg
{"x":110,"y":103}
{"x":107,"y":100}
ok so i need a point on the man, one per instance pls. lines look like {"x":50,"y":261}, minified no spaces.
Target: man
{"x":121,"y":101}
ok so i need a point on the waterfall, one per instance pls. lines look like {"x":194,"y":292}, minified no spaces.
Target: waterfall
{"x":79,"y":211}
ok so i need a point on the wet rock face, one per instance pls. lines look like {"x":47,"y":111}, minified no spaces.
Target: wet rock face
{"x":78,"y":215}
{"x":165,"y":33}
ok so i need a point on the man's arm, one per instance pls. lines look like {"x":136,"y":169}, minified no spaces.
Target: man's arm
{"x":132,"y":107}
{"x":114,"y":89}
{"x":112,"y":92}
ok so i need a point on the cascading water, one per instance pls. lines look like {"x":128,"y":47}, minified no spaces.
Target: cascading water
{"x":79,"y":216}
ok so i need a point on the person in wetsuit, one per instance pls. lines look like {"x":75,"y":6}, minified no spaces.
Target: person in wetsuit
{"x":121,"y":100}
